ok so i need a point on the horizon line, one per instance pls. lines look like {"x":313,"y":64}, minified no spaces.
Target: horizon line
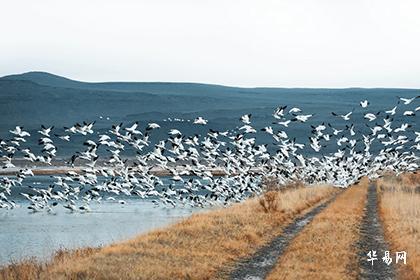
{"x":197,"y":83}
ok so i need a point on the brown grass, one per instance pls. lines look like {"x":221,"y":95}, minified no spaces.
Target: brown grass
{"x":196,"y":248}
{"x":399,"y":209}
{"x":408,"y":182}
{"x":324,"y":249}
{"x":271,"y":184}
{"x":33,"y":269}
{"x":269,"y":202}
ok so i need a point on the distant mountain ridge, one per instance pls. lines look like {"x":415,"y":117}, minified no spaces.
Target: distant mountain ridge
{"x":48,"y":79}
{"x":42,"y":78}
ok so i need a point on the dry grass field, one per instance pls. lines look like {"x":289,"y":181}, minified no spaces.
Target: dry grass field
{"x":325,"y":248}
{"x":400,"y":213}
{"x":195,"y":248}
{"x":33,"y":269}
{"x":209,"y":244}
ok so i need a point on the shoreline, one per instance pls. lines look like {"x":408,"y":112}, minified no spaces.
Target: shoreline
{"x":216,"y":244}
{"x":229,"y":243}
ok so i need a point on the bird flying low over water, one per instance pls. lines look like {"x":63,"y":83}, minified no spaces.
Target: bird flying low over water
{"x":370,"y":116}
{"x":392,"y":111}
{"x":246,"y":119}
{"x":302,"y":118}
{"x":407,"y":101}
{"x":295,"y":110}
{"x":151,"y":126}
{"x":19,"y":132}
{"x":409,"y":113}
{"x":364,"y":103}
{"x":345,"y":117}
{"x":200,"y":120}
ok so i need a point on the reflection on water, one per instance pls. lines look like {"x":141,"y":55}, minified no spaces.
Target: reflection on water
{"x":40,"y":234}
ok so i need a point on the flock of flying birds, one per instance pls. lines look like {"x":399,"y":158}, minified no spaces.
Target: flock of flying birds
{"x":219,"y":167}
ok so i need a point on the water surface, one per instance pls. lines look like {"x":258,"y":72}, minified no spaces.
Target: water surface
{"x":38,"y":235}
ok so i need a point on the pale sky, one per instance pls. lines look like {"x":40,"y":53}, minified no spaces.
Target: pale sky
{"x":284,"y":43}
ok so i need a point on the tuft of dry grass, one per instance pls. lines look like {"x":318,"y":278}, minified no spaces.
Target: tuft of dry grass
{"x":399,"y":209}
{"x":269,"y":201}
{"x":324,"y":249}
{"x":198,"y":247}
{"x":30,"y":269}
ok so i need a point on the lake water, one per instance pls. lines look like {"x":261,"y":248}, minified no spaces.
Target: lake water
{"x":24,"y":234}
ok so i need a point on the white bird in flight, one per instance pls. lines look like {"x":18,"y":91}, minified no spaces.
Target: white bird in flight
{"x":200,"y":120}
{"x":364,"y":103}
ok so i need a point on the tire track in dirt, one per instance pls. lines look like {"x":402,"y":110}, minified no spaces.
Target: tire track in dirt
{"x":372,"y":238}
{"x":262,"y":262}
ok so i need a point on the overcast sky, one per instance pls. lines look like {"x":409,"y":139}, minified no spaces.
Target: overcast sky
{"x":286,"y":43}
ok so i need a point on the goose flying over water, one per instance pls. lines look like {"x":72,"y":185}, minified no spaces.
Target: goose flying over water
{"x":392,"y":111}
{"x":246,"y":119}
{"x":45,"y":131}
{"x":364,"y":103}
{"x":345,"y":117}
{"x":20,"y":132}
{"x":407,"y":101}
{"x":302,"y":118}
{"x":200,"y":120}
{"x":151,"y":126}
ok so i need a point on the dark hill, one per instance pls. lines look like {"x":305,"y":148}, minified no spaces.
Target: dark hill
{"x":36,"y":98}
